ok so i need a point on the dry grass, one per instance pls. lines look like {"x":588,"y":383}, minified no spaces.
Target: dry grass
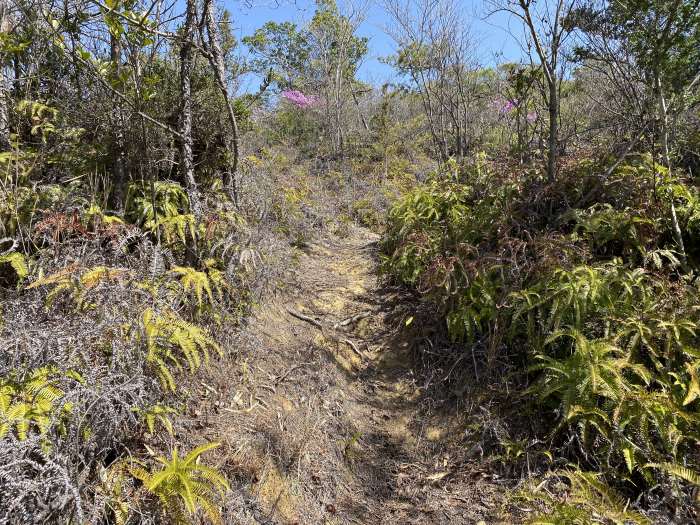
{"x":319,"y":434}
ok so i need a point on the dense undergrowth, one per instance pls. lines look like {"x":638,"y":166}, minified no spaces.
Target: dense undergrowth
{"x":577,"y":288}
{"x":108,"y":316}
{"x":158,"y":177}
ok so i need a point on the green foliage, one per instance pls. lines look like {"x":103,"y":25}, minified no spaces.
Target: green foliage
{"x":332,"y":32}
{"x":170,"y":340}
{"x":290,"y":55}
{"x":149,"y":204}
{"x":432,"y":237}
{"x":30,"y":403}
{"x":662,"y":37}
{"x":679,"y":471}
{"x":596,"y":370}
{"x":584,"y":294}
{"x":66,"y":281}
{"x":629,"y":385}
{"x":476,"y":307}
{"x":609,"y":332}
{"x":157,"y":413}
{"x":588,"y":500}
{"x":19,"y":207}
{"x":194,"y":284}
{"x":424,"y":220}
{"x":367,"y":213}
{"x":42,"y":116}
{"x":297,"y":128}
{"x":280,"y":49}
{"x":112,"y":489}
{"x":612,"y":232}
{"x":175,"y":227}
{"x":183,"y":485}
{"x":95,"y":215}
{"x":18,"y":262}
{"x":163,"y":209}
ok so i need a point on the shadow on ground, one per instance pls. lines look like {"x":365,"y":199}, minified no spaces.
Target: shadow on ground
{"x":331,"y":419}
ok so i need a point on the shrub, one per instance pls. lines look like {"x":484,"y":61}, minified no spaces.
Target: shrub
{"x":184,"y":485}
{"x":608,"y":329}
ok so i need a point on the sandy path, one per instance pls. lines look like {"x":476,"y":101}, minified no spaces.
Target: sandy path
{"x":331,"y":425}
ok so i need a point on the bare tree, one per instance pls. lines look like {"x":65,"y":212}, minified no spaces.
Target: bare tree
{"x":118,"y":150}
{"x":546,"y":35}
{"x":337,"y":50}
{"x":437,"y":53}
{"x":216,"y":59}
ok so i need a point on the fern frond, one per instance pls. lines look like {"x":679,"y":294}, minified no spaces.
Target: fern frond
{"x":679,"y":471}
{"x":18,"y":262}
{"x":184,"y":486}
{"x":194,"y":282}
{"x":588,"y":496}
{"x":65,"y":281}
{"x":170,"y":339}
{"x":30,"y":403}
{"x":157,"y":413}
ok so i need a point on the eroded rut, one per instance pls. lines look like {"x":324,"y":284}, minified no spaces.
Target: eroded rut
{"x":322,"y":417}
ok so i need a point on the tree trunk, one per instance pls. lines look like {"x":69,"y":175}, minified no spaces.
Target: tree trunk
{"x":338,"y":111}
{"x":4,"y":87}
{"x":548,"y":64}
{"x":118,"y":168}
{"x":553,"y":153}
{"x":4,"y":110}
{"x":186,"y":64}
{"x":665,"y":152}
{"x":216,"y":59}
{"x":359,"y":110}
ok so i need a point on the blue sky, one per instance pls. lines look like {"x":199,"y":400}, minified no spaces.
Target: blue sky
{"x":495,"y":43}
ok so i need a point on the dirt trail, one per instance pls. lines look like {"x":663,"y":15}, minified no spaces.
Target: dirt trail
{"x":331,"y":425}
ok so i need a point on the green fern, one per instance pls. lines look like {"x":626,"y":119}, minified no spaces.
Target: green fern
{"x":588,"y":500}
{"x":654,"y":425}
{"x":594,"y":371}
{"x":175,"y":227}
{"x":162,"y":209}
{"x":30,"y":403}
{"x":476,"y":307}
{"x":65,"y":281}
{"x":609,"y":230}
{"x":165,"y":199}
{"x":157,"y":413}
{"x":615,"y":342}
{"x":111,"y":487}
{"x":184,"y":486}
{"x":681,"y":472}
{"x":196,"y":284}
{"x":659,"y":338}
{"x":94,"y":214}
{"x":692,"y":387}
{"x":656,"y":257}
{"x":572,"y":298}
{"x":18,"y":262}
{"x":170,"y":340}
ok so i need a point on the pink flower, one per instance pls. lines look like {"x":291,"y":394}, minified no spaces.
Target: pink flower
{"x":508,"y":106}
{"x":504,"y":106}
{"x":531,"y":117}
{"x":299,"y":99}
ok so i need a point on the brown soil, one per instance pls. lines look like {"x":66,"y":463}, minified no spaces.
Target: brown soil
{"x":332,"y":425}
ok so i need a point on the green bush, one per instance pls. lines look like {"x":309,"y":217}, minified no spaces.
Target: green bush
{"x":609,"y":332}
